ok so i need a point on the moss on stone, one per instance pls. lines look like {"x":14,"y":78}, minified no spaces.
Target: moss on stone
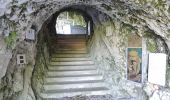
{"x":169,"y":9}
{"x":127,"y":28}
{"x":133,"y":20}
{"x":145,"y":97}
{"x":151,"y":41}
{"x":38,"y":75}
{"x":160,"y":3}
{"x":151,"y":45}
{"x":11,"y":39}
{"x":142,"y":2}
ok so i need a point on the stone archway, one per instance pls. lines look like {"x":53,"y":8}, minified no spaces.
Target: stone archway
{"x":125,"y":17}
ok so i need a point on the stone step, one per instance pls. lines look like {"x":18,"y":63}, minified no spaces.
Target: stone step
{"x":76,"y":82}
{"x":71,"y":68}
{"x":72,"y":63}
{"x":72,"y":73}
{"x":71,"y":36}
{"x":70,"y":55}
{"x":73,"y":79}
{"x":70,"y":43}
{"x":70,"y":46}
{"x":69,"y":40}
{"x":71,"y":51}
{"x":73,"y":86}
{"x":70,"y":59}
{"x":74,"y":92}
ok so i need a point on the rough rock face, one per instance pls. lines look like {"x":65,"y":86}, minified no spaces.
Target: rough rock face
{"x":149,"y":19}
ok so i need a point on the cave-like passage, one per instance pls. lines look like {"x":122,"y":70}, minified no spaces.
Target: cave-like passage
{"x":71,"y":71}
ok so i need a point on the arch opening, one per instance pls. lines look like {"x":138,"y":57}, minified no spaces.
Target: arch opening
{"x":77,"y":20}
{"x":70,"y":22}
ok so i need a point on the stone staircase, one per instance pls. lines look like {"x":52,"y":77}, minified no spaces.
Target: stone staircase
{"x":71,"y":72}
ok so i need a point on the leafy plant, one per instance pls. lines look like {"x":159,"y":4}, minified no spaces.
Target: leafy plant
{"x":11,"y":39}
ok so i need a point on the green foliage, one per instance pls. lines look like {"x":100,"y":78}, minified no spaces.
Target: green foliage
{"x":23,"y":8}
{"x":71,"y":14}
{"x":145,"y":97}
{"x":74,"y":17}
{"x":159,"y":4}
{"x":169,"y":9}
{"x":11,"y":39}
{"x":77,"y":18}
{"x":151,"y":46}
{"x":142,"y":2}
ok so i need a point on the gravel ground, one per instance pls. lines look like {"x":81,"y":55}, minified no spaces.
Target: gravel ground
{"x":103,"y":97}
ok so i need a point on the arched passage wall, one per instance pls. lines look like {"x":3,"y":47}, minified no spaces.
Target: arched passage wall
{"x":151,"y":20}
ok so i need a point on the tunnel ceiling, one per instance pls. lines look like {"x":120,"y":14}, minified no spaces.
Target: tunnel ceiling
{"x":20,"y":15}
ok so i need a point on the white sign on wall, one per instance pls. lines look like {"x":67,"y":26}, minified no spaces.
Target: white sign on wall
{"x":157,"y":68}
{"x":30,"y":35}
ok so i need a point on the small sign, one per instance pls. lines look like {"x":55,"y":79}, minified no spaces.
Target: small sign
{"x":157,"y":68}
{"x":30,"y":35}
{"x":21,"y":59}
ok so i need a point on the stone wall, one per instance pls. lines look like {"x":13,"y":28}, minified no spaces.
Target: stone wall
{"x":23,"y":82}
{"x":42,"y":61}
{"x":40,"y":69}
{"x":147,"y":18}
{"x":109,"y":53}
{"x":16,"y":84}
